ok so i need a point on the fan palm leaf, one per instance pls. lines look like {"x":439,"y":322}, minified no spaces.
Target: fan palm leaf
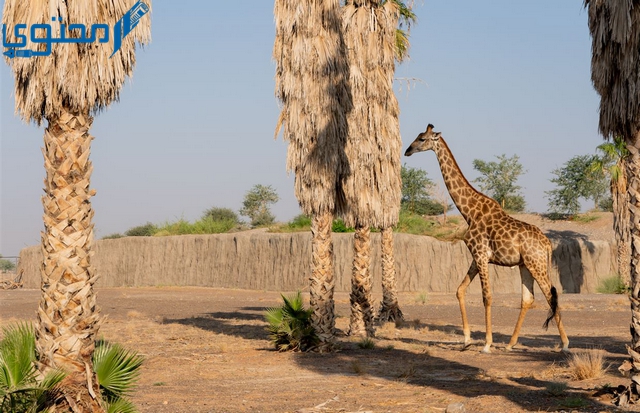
{"x":20,"y":390}
{"x":117,"y":369}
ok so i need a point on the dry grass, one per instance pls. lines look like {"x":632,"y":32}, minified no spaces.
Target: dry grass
{"x":587,"y":364}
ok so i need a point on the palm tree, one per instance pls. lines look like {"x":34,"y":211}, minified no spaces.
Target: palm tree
{"x":65,"y":88}
{"x":390,"y":309}
{"x":311,"y":83}
{"x":615,"y":70}
{"x":614,"y":163}
{"x":373,"y":188}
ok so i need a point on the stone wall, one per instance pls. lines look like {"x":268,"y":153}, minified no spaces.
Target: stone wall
{"x":281,"y":262}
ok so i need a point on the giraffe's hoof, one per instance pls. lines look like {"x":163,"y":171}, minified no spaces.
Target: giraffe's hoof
{"x":486,"y":349}
{"x":566,"y":350}
{"x":508,"y":348}
{"x":465,"y":346}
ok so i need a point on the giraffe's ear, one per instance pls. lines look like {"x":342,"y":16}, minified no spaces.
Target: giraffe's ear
{"x":437,"y":135}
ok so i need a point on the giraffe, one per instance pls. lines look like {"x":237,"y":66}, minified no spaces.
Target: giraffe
{"x":494,"y":237}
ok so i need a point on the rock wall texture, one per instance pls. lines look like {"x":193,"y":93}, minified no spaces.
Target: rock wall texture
{"x":281,"y":262}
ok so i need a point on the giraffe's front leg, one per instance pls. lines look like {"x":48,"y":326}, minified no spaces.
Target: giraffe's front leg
{"x":483,"y":269}
{"x":460,"y":294}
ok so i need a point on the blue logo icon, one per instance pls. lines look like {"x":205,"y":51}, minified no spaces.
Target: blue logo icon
{"x":122,"y":28}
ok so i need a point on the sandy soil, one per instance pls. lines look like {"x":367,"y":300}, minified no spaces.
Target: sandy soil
{"x":206,"y":350}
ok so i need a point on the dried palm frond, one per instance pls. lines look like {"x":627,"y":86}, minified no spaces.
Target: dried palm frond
{"x":373,"y":186}
{"x":311,"y":83}
{"x":81,"y":78}
{"x":615,"y":71}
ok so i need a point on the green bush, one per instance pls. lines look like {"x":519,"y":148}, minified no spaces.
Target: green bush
{"x":203,"y":226}
{"x":113,"y":236}
{"x":146,"y":230}
{"x":290,"y":326}
{"x":299,"y":222}
{"x":263,"y":219}
{"x":339,"y":226}
{"x":423,"y":207}
{"x":612,"y":285}
{"x":414,"y":224}
{"x":221,"y":214}
{"x":6,"y":265}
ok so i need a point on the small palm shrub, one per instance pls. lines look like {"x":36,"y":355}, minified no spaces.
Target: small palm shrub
{"x":118,"y":370}
{"x":20,"y":389}
{"x":290,"y":326}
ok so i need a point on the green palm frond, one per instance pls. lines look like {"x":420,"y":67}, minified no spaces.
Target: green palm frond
{"x":17,"y":355}
{"x":402,"y":45}
{"x":614,"y":154}
{"x":47,"y":390}
{"x":121,"y":405}
{"x":20,"y":390}
{"x":407,"y":18}
{"x":117,"y":368}
{"x":290,"y":325}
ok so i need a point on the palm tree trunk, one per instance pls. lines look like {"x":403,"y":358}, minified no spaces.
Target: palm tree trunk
{"x":621,"y":221}
{"x":632,"y":393}
{"x":361,"y":310}
{"x":322,"y":281}
{"x":68,"y":318}
{"x":390,"y":310}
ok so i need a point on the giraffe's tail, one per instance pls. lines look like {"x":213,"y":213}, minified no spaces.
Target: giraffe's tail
{"x":553,"y":303}
{"x":554,"y":307}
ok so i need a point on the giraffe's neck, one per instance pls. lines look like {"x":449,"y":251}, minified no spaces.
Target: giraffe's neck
{"x":463,"y":194}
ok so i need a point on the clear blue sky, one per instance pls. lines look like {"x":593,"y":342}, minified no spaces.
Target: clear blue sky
{"x":194,"y":128}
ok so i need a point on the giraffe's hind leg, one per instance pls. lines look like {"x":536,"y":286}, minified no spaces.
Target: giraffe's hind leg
{"x":525,"y":305}
{"x":540,"y":274}
{"x":460,"y":294}
{"x":552,"y":298}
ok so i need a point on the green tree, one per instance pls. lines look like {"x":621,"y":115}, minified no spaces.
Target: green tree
{"x":256,"y":205}
{"x":6,"y":265}
{"x":575,"y":180}
{"x":499,"y":179}
{"x":416,"y":189}
{"x":221,"y":214}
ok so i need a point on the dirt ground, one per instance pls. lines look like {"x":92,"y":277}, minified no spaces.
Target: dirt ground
{"x":206,"y":350}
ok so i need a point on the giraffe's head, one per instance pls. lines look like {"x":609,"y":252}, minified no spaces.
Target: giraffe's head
{"x":425,"y":141}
